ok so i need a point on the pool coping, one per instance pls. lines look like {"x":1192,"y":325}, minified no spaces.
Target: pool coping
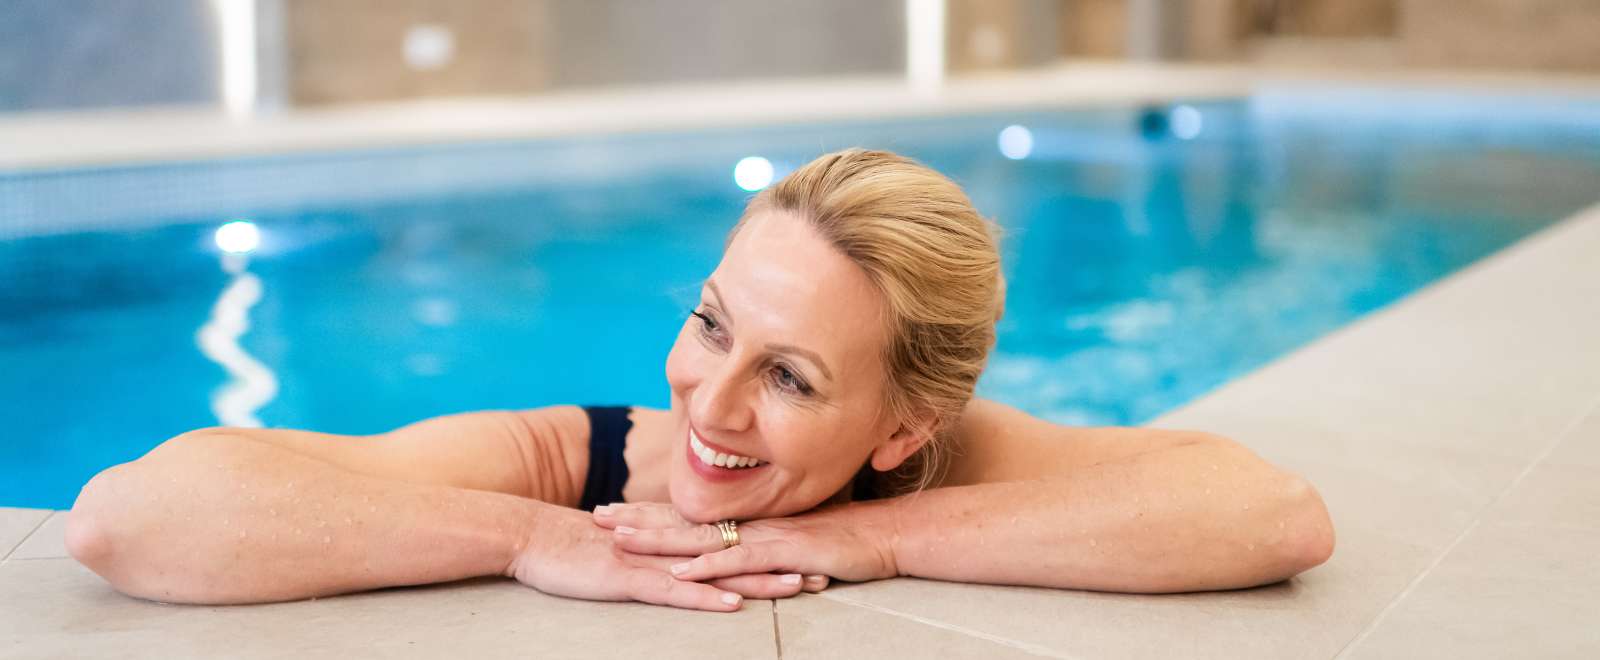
{"x":1452,"y":433}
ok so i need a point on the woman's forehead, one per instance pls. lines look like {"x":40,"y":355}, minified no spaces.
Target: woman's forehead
{"x":779,"y":277}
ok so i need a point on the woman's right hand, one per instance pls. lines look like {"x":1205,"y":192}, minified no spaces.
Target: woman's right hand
{"x":572,"y":556}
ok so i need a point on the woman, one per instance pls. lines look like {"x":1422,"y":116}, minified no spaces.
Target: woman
{"x":821,"y":398}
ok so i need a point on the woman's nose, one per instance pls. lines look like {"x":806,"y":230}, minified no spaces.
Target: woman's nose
{"x":721,"y":401}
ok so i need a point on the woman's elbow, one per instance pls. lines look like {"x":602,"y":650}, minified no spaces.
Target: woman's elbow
{"x":89,"y":533}
{"x":1309,"y":540}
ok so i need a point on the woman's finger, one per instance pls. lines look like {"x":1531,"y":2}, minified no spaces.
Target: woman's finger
{"x":681,"y":541}
{"x":642,"y":515}
{"x":814,"y":584}
{"x":762,"y":585}
{"x":655,"y":587}
{"x":765,"y":557}
{"x":759,"y":585}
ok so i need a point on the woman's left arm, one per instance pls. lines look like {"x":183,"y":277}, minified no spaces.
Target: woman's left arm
{"x":1034,"y":503}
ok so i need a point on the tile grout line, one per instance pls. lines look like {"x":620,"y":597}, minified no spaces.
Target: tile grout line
{"x":1560,"y":437}
{"x":13,"y":549}
{"x":1033,"y":649}
{"x":777,"y":634}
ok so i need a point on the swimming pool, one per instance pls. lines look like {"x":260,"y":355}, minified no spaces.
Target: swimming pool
{"x":1150,"y":258}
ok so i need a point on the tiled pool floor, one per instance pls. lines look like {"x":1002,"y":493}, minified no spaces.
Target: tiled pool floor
{"x":1453,"y":436}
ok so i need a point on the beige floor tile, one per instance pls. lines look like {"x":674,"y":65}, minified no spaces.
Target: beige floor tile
{"x":818,"y":627}
{"x":1507,"y":591}
{"x":56,"y":608}
{"x":16,"y":525}
{"x":47,"y":542}
{"x":1519,"y":583}
{"x":1311,"y":616}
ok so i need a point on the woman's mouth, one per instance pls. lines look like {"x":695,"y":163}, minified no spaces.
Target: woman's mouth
{"x":715,"y":464}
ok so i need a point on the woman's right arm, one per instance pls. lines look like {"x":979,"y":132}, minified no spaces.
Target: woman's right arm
{"x":250,"y":515}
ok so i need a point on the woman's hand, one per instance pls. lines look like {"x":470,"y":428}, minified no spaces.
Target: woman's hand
{"x":818,"y":545}
{"x":573,"y":557}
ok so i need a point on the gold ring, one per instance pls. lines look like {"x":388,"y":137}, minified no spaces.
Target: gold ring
{"x":730,"y":533}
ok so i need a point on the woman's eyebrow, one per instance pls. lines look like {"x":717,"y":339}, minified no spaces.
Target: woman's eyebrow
{"x":778,"y":348}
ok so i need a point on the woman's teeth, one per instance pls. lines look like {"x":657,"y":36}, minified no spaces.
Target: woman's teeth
{"x":711,"y":457}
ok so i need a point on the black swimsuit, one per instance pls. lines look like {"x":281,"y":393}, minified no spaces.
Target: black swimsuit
{"x":608,"y":472}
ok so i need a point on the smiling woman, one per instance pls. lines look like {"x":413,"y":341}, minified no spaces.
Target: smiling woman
{"x":816,"y":391}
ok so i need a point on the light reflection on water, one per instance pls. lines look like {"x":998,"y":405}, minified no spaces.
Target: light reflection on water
{"x":251,"y":384}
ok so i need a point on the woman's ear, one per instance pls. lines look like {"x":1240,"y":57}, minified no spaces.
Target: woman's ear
{"x":904,"y":442}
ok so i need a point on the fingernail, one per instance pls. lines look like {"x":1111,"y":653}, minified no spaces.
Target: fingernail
{"x":730,"y":598}
{"x":678,"y":569}
{"x":815,"y":579}
{"x":624,"y":529}
{"x":792,"y":578}
{"x":603,"y":510}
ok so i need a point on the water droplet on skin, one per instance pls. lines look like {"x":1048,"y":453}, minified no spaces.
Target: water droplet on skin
{"x":1213,"y":468}
{"x":322,"y":523}
{"x":1093,"y":543}
{"x":1246,"y":507}
{"x":224,"y":522}
{"x":329,"y":539}
{"x":291,"y":485}
{"x":347,"y":520}
{"x":274,"y":536}
{"x":1208,"y":491}
{"x":241,"y":533}
{"x":1252,"y":546}
{"x":252,"y":498}
{"x":372,"y":509}
{"x":273,"y":512}
{"x":366,"y":498}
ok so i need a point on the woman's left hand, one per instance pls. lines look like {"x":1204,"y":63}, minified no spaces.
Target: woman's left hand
{"x":810,"y":544}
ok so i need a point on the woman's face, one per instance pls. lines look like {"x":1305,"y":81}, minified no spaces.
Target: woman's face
{"x":779,"y":364}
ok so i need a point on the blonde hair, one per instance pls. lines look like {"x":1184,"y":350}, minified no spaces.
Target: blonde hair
{"x":935,"y":261}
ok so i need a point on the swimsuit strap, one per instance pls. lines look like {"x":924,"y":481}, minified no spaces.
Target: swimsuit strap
{"x":608,"y":472}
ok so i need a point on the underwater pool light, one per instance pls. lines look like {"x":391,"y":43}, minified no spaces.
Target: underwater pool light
{"x":238,"y":237}
{"x":753,"y":173}
{"x":1016,"y":142}
{"x":1185,"y":122}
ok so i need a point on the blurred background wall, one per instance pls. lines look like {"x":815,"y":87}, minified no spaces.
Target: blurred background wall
{"x":59,"y":54}
{"x":69,"y":54}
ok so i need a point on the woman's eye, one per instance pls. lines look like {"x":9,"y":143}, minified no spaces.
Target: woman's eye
{"x":709,"y":330}
{"x":787,"y":380}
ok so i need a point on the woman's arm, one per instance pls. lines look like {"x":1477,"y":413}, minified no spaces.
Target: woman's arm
{"x":249,"y":515}
{"x":215,"y":517}
{"x":1199,"y":516}
{"x":1114,"y":509}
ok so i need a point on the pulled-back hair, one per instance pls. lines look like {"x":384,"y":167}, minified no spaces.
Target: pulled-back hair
{"x":934,"y":260}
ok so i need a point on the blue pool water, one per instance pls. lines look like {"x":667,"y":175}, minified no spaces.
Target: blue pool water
{"x":394,"y":284}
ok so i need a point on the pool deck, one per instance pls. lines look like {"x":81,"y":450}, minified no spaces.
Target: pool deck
{"x":1451,"y":435}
